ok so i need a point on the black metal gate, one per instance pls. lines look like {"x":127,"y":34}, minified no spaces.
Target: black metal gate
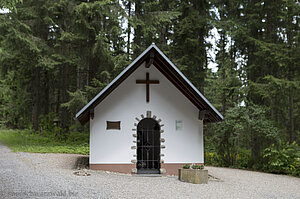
{"x":148,"y":146}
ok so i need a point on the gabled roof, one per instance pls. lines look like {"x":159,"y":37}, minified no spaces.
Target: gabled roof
{"x":170,"y":71}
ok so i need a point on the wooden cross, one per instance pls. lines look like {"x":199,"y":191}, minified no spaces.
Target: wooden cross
{"x":147,"y":82}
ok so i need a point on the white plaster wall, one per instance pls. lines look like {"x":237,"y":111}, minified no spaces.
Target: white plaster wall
{"x":127,"y":102}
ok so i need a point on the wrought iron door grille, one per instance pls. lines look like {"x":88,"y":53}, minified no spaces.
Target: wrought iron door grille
{"x":148,"y":149}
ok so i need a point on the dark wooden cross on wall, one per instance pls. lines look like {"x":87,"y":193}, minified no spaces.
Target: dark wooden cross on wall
{"x":147,"y":82}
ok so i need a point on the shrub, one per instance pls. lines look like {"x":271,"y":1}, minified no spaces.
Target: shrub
{"x":239,"y":160}
{"x":212,"y":159}
{"x":78,"y":137}
{"x":46,"y":123}
{"x":195,"y":166}
{"x":186,"y":166}
{"x":282,"y":158}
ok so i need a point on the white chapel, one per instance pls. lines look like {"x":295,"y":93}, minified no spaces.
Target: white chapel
{"x":148,"y":120}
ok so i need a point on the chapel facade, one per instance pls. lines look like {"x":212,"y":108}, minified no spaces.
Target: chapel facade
{"x":148,"y":120}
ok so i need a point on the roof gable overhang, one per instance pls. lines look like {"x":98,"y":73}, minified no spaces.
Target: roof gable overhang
{"x":153,"y":55}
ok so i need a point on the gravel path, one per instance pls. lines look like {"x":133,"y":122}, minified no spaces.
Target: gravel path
{"x":33,"y":175}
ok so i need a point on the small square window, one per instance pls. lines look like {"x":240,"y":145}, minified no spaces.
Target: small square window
{"x":113,"y":125}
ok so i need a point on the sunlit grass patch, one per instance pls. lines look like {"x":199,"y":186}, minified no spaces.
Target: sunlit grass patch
{"x":27,"y":141}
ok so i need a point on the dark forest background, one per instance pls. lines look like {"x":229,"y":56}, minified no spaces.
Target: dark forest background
{"x":56,"y":55}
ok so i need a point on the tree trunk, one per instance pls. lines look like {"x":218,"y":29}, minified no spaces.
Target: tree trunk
{"x":137,"y":30}
{"x":36,"y":99}
{"x":254,"y":146}
{"x":202,"y":8}
{"x":291,"y":118}
{"x":46,"y":94}
{"x":64,"y":97}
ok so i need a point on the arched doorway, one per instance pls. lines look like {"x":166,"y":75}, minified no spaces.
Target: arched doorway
{"x":148,"y":146}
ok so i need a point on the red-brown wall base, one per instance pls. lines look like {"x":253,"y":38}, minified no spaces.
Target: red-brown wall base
{"x":171,"y":168}
{"x":120,"y":168}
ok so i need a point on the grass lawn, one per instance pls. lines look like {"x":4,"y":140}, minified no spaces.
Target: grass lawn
{"x":27,"y":141}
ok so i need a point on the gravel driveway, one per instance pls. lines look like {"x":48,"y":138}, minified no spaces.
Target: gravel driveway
{"x":33,"y":175}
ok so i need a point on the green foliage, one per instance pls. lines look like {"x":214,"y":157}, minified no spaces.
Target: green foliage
{"x":47,"y":122}
{"x":49,"y":128}
{"x":195,"y":166}
{"x":97,"y":85}
{"x":151,"y":21}
{"x":77,"y":99}
{"x":14,"y":101}
{"x":282,"y":158}
{"x":10,"y":4}
{"x":242,"y":124}
{"x":188,"y":49}
{"x":240,"y":159}
{"x":77,"y":138}
{"x":28,"y":141}
{"x":186,"y":166}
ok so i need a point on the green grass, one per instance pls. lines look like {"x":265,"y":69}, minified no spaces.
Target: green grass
{"x":27,"y":141}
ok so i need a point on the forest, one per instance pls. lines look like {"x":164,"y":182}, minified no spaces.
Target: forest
{"x":243,"y":55}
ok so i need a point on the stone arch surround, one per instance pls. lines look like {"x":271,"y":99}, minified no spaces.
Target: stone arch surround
{"x":162,"y":140}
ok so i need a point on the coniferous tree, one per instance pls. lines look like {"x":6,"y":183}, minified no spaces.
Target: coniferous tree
{"x":188,"y":47}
